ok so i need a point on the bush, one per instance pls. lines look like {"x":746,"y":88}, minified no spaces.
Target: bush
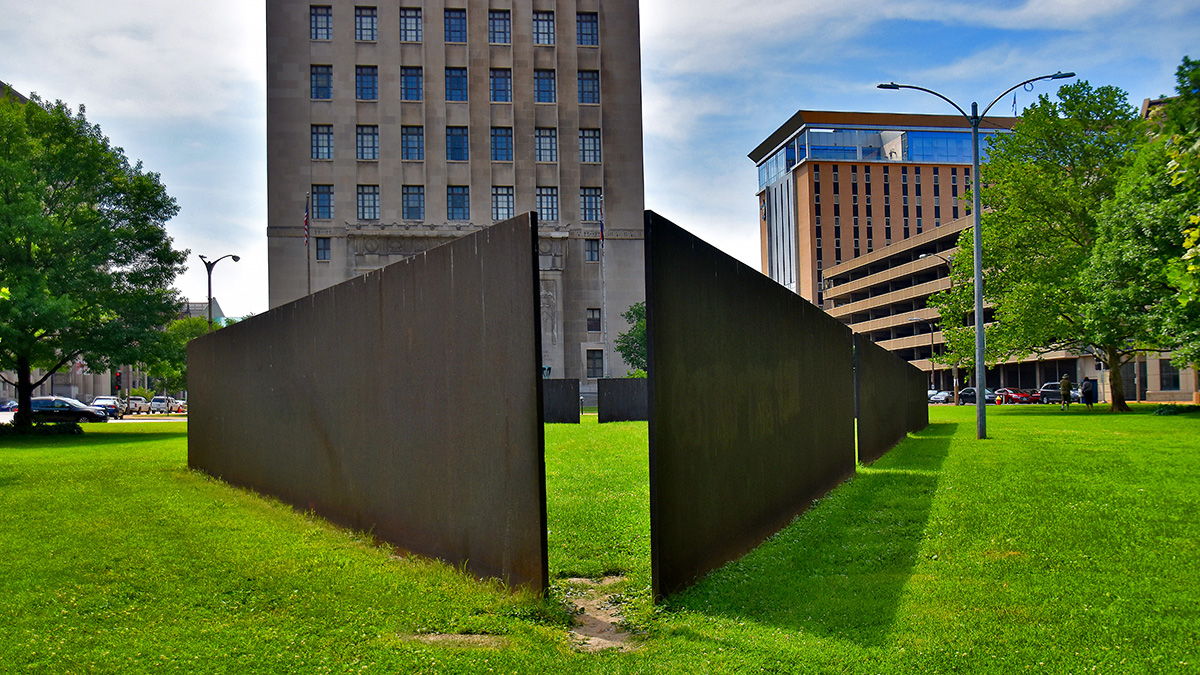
{"x":1175,"y":409}
{"x":636,"y":373}
{"x":40,"y":429}
{"x":144,"y":393}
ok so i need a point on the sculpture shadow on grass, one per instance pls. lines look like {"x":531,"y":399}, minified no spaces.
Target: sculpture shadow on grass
{"x":840,"y":568}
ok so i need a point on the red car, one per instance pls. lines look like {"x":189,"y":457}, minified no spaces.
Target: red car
{"x":1006,"y":395}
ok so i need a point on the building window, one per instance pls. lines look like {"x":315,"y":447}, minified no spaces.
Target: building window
{"x":589,"y":145}
{"x":591,"y":250}
{"x":412,"y":143}
{"x":456,"y":144}
{"x":368,"y":142}
{"x":500,"y":27}
{"x":544,"y":88}
{"x":456,"y":25}
{"x":591,"y":204}
{"x":458,"y":202}
{"x":595,"y":363}
{"x":366,"y":24}
{"x":593,"y":319}
{"x":502,"y":144}
{"x":321,"y":79}
{"x":456,"y":84}
{"x":501,"y":85}
{"x":368,"y":202}
{"x":545,"y":145}
{"x":322,"y":200}
{"x":503,"y":204}
{"x":413,"y":202}
{"x":322,"y":248}
{"x":589,"y":86}
{"x":1168,"y":376}
{"x":587,"y":28}
{"x":322,"y":141}
{"x":543,"y":28}
{"x":366,"y":83}
{"x":320,"y":23}
{"x":547,"y":204}
{"x":410,"y":24}
{"x":411,"y":83}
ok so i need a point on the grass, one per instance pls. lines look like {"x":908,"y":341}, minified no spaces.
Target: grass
{"x":1065,"y":543}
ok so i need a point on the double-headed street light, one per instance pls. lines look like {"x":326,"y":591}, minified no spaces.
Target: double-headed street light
{"x":974,"y":119}
{"x":209,"y":265}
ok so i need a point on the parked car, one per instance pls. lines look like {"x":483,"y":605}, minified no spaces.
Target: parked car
{"x":967,"y":396}
{"x":136,"y":404}
{"x":8,"y":405}
{"x":1052,"y":393}
{"x":63,"y":409}
{"x":111,"y":405}
{"x":162,"y":404}
{"x":1007,"y":395}
{"x":942,"y":397}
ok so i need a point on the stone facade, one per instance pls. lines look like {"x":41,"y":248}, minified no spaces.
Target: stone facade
{"x":315,"y":141}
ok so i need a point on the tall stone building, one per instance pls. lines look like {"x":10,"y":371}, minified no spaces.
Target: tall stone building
{"x":395,"y":126}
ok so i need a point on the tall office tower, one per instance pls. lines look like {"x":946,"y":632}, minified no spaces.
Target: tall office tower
{"x":396,"y":126}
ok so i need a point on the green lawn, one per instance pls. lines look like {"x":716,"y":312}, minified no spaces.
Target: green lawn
{"x":1068,"y":542}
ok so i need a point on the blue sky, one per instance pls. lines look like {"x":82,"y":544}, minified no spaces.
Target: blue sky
{"x":181,"y":86}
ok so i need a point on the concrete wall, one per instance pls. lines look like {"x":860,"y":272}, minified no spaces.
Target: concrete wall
{"x":623,"y":400}
{"x":406,"y":402}
{"x":561,"y":401}
{"x":751,"y":405}
{"x":890,"y":399}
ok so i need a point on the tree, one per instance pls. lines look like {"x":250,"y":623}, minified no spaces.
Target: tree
{"x":631,"y":345}
{"x":1045,"y":186}
{"x":170,"y":368}
{"x":83,"y":250}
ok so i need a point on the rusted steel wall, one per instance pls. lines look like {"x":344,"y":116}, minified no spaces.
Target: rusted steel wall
{"x":622,"y":399}
{"x":406,"y":402}
{"x":891,"y":399}
{"x":561,"y":401}
{"x":751,"y":405}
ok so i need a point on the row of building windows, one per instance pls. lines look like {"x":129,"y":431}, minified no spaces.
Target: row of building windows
{"x":412,"y":143}
{"x":412,"y":84}
{"x":366,"y":25}
{"x":458,"y":202}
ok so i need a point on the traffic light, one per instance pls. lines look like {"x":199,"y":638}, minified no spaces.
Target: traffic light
{"x":117,"y":382}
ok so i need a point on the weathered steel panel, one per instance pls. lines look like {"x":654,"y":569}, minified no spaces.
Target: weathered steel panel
{"x":561,"y":401}
{"x":622,"y":399}
{"x":751,"y":405}
{"x":406,"y":402}
{"x":890,"y":397}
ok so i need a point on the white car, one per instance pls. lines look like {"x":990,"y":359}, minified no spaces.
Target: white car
{"x":162,"y":404}
{"x":136,"y":404}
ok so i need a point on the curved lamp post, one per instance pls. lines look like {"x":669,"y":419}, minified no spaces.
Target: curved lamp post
{"x":950,"y":268}
{"x":974,"y":119}
{"x":209,"y":265}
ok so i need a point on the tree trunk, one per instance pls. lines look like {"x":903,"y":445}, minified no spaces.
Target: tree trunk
{"x":1113,"y":358}
{"x":23,"y":420}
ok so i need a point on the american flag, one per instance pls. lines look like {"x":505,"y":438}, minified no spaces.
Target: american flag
{"x":305,"y":219}
{"x":602,"y":222}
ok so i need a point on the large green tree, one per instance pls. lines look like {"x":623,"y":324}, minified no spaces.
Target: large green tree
{"x":631,"y":344}
{"x":84,"y":254}
{"x":1045,"y":185}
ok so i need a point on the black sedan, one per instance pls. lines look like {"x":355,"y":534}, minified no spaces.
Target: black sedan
{"x":967,"y":396}
{"x":62,"y":409}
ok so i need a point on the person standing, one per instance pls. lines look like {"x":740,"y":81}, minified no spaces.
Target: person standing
{"x":1064,"y":388}
{"x":1088,"y":391}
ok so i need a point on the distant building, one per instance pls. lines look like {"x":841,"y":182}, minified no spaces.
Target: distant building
{"x":410,"y":123}
{"x":859,"y":214}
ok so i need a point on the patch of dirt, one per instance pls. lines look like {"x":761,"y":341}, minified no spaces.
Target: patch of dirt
{"x":453,"y":640}
{"x":597,"y":625}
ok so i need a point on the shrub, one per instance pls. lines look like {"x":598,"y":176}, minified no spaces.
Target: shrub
{"x":42,"y":429}
{"x":1175,"y":409}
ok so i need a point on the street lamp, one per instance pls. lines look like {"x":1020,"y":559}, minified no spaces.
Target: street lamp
{"x":209,"y":265}
{"x":950,"y":268}
{"x":930,"y":326}
{"x":974,"y":119}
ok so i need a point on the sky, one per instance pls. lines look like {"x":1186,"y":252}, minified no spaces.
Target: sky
{"x":181,"y":86}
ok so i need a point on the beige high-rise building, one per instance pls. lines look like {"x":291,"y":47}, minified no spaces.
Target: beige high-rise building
{"x":395,"y":126}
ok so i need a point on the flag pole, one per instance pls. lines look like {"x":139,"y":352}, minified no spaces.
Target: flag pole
{"x":603,"y":294}
{"x":307,"y":256}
